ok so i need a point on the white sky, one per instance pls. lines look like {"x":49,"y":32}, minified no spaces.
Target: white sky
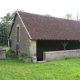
{"x":56,"y":8}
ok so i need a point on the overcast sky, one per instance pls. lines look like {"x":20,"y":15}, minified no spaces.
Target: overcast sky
{"x":56,"y":8}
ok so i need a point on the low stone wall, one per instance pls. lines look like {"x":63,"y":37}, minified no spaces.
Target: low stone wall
{"x":2,"y":53}
{"x":55,"y":55}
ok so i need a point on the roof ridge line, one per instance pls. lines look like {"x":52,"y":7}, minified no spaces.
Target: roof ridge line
{"x":24,"y":25}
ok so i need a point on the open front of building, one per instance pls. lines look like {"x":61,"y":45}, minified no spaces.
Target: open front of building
{"x":55,"y":45}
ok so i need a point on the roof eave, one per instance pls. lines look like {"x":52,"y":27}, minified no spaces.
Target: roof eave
{"x":12,"y":25}
{"x":24,"y":25}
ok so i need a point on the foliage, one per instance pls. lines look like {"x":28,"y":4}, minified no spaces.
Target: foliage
{"x":5,"y":25}
{"x":48,"y":15}
{"x":24,"y":55}
{"x":68,"y":16}
{"x":8,"y":52}
{"x":55,"y":70}
{"x":5,"y":47}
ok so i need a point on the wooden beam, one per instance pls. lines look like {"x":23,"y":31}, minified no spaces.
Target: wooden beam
{"x":64,"y":44}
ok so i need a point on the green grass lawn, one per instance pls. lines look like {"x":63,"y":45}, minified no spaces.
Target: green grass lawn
{"x":15,"y":69}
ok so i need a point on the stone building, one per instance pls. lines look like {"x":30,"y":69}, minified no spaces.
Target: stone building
{"x":33,"y":34}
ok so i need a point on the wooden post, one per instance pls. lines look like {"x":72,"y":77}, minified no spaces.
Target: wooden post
{"x":64,"y":44}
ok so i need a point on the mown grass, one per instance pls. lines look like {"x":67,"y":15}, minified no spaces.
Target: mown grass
{"x":55,"y":70}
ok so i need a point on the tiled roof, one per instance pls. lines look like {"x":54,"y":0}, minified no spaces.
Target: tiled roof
{"x":50,"y":28}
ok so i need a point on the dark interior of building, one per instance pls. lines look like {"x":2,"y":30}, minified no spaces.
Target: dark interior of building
{"x":55,"y":45}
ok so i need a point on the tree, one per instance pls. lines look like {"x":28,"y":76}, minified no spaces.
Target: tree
{"x":69,"y":16}
{"x":78,"y":16}
{"x":48,"y":15}
{"x":5,"y":26}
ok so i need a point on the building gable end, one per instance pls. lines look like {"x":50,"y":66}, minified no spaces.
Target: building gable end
{"x":24,"y":26}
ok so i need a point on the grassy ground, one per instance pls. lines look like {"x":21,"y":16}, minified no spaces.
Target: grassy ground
{"x":55,"y":70}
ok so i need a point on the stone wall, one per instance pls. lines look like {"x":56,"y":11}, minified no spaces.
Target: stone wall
{"x":23,"y":37}
{"x":2,"y":54}
{"x":55,"y":55}
{"x":32,"y":47}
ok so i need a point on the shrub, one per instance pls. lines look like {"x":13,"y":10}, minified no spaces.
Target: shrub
{"x":8,"y":52}
{"x":24,"y":55}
